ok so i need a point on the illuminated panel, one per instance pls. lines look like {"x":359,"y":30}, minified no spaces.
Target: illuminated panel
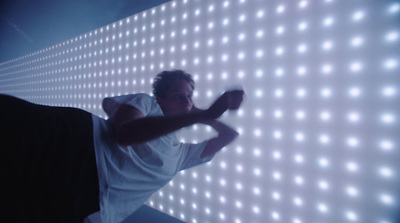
{"x":320,"y":125}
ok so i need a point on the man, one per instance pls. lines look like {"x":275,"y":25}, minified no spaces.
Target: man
{"x":135,"y":152}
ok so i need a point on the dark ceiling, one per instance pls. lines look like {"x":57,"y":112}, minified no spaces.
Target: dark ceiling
{"x":30,"y":25}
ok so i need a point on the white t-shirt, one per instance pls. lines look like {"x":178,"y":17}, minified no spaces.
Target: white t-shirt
{"x":128,"y":178}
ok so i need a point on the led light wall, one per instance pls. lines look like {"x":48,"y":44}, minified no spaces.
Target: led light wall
{"x":319,"y":130}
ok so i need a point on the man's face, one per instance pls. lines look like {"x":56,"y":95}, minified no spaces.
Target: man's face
{"x":178,"y":98}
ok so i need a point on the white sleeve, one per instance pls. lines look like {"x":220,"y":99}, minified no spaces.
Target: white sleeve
{"x":143,"y":102}
{"x":191,"y":155}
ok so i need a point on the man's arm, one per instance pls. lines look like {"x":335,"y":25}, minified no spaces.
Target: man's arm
{"x":131,"y":127}
{"x":225,"y":136}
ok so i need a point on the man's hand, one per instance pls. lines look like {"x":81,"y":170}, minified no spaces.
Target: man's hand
{"x":230,"y":100}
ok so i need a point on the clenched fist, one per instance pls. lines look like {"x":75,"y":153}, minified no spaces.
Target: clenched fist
{"x":230,"y":100}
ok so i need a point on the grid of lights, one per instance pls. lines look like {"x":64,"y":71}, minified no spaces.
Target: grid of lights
{"x":319,"y":129}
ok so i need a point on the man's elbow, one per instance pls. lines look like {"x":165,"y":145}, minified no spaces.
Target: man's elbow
{"x":232,"y":136}
{"x":235,"y":134}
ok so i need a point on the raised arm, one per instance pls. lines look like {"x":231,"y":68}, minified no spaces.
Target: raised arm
{"x":225,"y":136}
{"x":131,"y":127}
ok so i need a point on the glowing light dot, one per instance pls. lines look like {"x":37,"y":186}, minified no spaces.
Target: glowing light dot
{"x":256,"y":209}
{"x":300,"y":115}
{"x":357,"y":41}
{"x":301,"y":93}
{"x":389,"y":91}
{"x":242,"y":18}
{"x":358,"y":15}
{"x":241,"y":56}
{"x":276,"y":175}
{"x":238,"y":204}
{"x":386,"y":199}
{"x":323,"y":185}
{"x":385,"y":172}
{"x":278,"y":93}
{"x":225,"y":22}
{"x":257,"y":133}
{"x":280,"y":9}
{"x":275,"y":215}
{"x":353,"y":117}
{"x":392,"y":36}
{"x":302,"y":26}
{"x":390,"y":64}
{"x":323,"y":162}
{"x":278,"y":114}
{"x":258,"y":113}
{"x":299,"y":136}
{"x":242,"y":36}
{"x":223,"y":165}
{"x":387,"y":118}
{"x":279,"y":51}
{"x":302,"y":48}
{"x":297,"y":201}
{"x":326,"y":92}
{"x":296,"y":220}
{"x":328,"y":21}
{"x":322,"y":208}
{"x":351,"y":216}
{"x":241,"y":74}
{"x":352,"y":142}
{"x":276,"y":195}
{"x":299,"y":180}
{"x":324,"y":139}
{"x":259,"y":53}
{"x":299,"y":158}
{"x":260,"y":13}
{"x":301,"y":71}
{"x":239,"y":186}
{"x":276,"y":155}
{"x":352,"y":191}
{"x":280,"y":30}
{"x":303,"y":4}
{"x":394,"y":8}
{"x":226,"y":4}
{"x":279,"y":72}
{"x":352,"y":166}
{"x":239,"y":168}
{"x":355,"y":66}
{"x":256,"y":191}
{"x":355,"y":92}
{"x":259,"y":33}
{"x":327,"y":68}
{"x":327,"y":45}
{"x":386,"y":145}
